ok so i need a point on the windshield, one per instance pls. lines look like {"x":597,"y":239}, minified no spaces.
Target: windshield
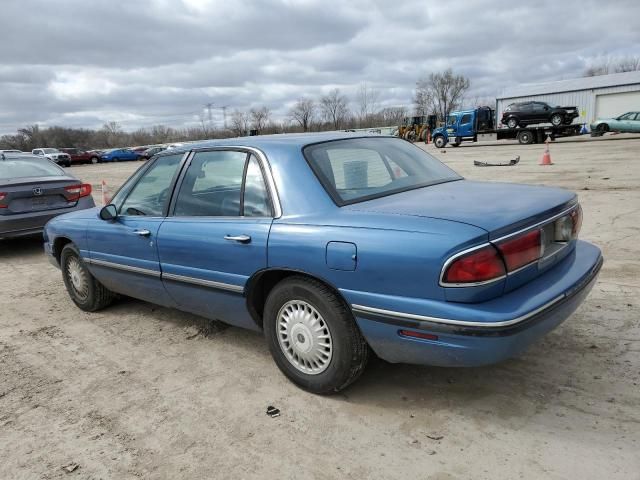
{"x":50,"y":150}
{"x":14,"y":168}
{"x":361,"y":169}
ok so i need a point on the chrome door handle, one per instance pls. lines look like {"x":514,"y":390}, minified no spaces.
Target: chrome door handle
{"x":142,"y":233}
{"x":238,"y":238}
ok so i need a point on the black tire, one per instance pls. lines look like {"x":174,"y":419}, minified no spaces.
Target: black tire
{"x":94,"y":160}
{"x":512,"y":123}
{"x":556,"y":119}
{"x":525,"y":137}
{"x":349,"y":350}
{"x":96,"y":296}
{"x":439,"y":141}
{"x":603,"y":128}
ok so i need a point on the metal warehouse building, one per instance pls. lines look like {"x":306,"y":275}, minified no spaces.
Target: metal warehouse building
{"x":602,"y":96}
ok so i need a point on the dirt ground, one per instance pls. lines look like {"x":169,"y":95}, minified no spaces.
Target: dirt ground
{"x":139,"y":391}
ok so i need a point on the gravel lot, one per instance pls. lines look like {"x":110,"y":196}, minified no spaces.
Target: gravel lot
{"x":138,"y":391}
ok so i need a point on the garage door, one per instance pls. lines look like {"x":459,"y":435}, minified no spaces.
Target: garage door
{"x":614,"y":104}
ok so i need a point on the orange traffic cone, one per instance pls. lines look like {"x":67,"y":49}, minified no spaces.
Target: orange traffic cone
{"x":105,"y":194}
{"x":546,"y":156}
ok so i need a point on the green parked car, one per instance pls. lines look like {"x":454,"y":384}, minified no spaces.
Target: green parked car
{"x":627,"y":123}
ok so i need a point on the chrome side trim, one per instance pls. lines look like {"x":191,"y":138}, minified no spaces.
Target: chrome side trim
{"x":448,"y":321}
{"x":120,"y":266}
{"x":203,"y":283}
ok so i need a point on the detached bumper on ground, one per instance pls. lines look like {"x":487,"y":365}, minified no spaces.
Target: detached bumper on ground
{"x":485,"y":333}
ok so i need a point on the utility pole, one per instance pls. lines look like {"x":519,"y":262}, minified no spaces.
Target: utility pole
{"x":224,"y":115}
{"x":209,"y":106}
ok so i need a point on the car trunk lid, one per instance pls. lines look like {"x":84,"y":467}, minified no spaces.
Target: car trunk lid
{"x":23,"y":195}
{"x":498,"y":208}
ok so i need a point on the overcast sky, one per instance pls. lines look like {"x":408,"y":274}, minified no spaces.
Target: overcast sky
{"x":144,"y":62}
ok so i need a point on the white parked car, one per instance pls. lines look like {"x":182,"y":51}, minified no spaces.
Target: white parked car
{"x":55,"y":155}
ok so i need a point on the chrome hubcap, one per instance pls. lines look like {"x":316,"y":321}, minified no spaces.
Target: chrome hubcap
{"x":77,"y":277}
{"x":304,"y":337}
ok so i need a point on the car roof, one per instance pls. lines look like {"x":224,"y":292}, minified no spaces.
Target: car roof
{"x":298,"y":140}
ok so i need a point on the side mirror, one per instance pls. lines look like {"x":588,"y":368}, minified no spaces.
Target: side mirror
{"x":108,"y":212}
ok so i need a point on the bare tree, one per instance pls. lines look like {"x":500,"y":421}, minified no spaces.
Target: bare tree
{"x":607,"y":65}
{"x":259,"y":118}
{"x":446,"y":89}
{"x":393,"y":115}
{"x":368,"y":99}
{"x":334,"y":107}
{"x":239,"y":123}
{"x":423,"y":97}
{"x":303,"y":112}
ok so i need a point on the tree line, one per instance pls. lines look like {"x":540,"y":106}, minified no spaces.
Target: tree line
{"x":436,"y":93}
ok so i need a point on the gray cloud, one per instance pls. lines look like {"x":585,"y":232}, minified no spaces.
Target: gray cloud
{"x":144,"y":62}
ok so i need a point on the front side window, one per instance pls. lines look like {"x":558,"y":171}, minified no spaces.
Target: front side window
{"x":466,"y":118}
{"x":150,"y":194}
{"x":627,"y":116}
{"x":223,"y":183}
{"x":360,"y":169}
{"x":452,"y":120}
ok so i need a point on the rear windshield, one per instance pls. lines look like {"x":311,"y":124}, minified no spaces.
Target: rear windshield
{"x":359,"y":169}
{"x":14,"y":168}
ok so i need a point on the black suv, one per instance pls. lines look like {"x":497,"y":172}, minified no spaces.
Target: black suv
{"x":528,"y":113}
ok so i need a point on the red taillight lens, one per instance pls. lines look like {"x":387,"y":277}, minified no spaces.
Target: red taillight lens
{"x":78,"y":191}
{"x":521,"y":250}
{"x":2,"y":197}
{"x":477,"y":266}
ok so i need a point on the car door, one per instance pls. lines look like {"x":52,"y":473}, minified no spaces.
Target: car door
{"x":634,"y":123}
{"x":465,"y":128}
{"x":216,"y":237}
{"x":123,"y":251}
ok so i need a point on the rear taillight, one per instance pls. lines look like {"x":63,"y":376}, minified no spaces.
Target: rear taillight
{"x":2,"y":197}
{"x":78,"y":191}
{"x":576,"y":217}
{"x":480,"y":265}
{"x":521,"y":250}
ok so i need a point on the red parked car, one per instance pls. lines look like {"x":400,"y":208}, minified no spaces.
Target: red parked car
{"x":80,"y":156}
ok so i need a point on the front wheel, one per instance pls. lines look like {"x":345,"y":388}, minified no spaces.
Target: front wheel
{"x":556,"y":119}
{"x":85,"y":291}
{"x":439,"y":141}
{"x":95,"y":160}
{"x":313,"y":337}
{"x":603,"y":128}
{"x":512,"y":122}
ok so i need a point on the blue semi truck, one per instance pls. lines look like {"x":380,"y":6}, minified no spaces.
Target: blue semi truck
{"x":481,"y":124}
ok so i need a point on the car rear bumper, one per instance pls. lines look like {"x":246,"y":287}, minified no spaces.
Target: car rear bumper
{"x":32,"y":223}
{"x":470,"y":341}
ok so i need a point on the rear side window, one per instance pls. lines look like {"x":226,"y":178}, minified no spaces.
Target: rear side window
{"x":223,"y":183}
{"x":28,"y":168}
{"x":466,"y":118}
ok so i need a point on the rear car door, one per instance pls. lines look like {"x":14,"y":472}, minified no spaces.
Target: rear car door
{"x":123,"y":251}
{"x":216,"y":237}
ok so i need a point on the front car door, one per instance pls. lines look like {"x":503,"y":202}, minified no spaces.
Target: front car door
{"x":216,"y":236}
{"x":465,"y":129}
{"x":123,"y":252}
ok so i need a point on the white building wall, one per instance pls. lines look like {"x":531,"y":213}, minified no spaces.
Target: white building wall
{"x":585,"y":100}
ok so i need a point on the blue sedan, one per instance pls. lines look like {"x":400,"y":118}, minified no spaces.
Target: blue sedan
{"x":335,"y":245}
{"x":118,"y":155}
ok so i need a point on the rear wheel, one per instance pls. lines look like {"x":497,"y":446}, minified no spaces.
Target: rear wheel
{"x":95,"y":160}
{"x":525,"y":137}
{"x":116,"y":159}
{"x":556,"y":119}
{"x":85,"y":291}
{"x":313,"y":337}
